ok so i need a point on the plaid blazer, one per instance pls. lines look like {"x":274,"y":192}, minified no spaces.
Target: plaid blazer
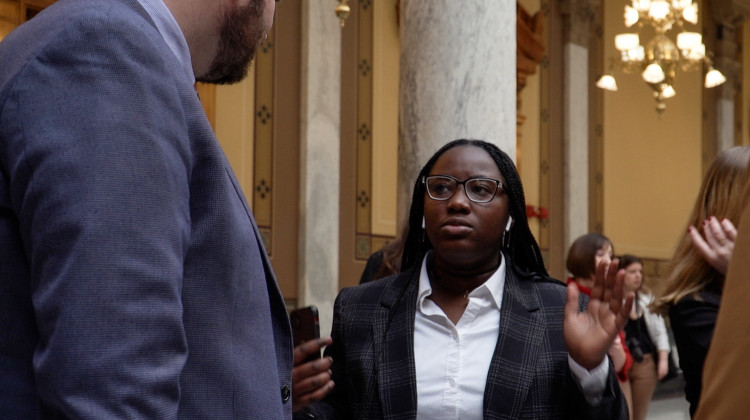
{"x":528,"y":378}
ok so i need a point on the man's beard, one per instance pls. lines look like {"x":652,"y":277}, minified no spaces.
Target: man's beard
{"x":241,"y":33}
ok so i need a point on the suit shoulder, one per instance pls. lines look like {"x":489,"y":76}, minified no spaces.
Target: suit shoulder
{"x":549,"y":286}
{"x":549,"y":283}
{"x":370,"y":291}
{"x":553,"y":292}
{"x":382,"y":292}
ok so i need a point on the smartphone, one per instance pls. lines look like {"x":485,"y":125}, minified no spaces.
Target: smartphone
{"x":305,"y":327}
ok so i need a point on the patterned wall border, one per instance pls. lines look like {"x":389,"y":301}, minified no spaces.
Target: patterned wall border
{"x":596,"y":124}
{"x":364,"y":242}
{"x":264,"y":131}
{"x":544,"y":132}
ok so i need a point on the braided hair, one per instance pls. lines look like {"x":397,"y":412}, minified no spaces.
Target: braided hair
{"x":519,"y":243}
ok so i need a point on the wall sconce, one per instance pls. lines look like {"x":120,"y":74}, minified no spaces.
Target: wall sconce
{"x":342,"y":11}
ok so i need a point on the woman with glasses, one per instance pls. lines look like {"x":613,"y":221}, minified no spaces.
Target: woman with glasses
{"x":472,"y":327}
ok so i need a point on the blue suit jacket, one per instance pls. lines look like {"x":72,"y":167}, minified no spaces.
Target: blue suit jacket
{"x":133,"y":283}
{"x":528,"y":378}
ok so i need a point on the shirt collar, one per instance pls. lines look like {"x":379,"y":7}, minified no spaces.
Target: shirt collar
{"x":491,"y":289}
{"x":172,"y":34}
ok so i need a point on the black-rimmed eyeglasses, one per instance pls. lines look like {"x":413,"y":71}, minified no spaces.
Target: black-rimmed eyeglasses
{"x":479,"y":190}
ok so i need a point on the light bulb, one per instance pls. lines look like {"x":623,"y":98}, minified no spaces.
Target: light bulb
{"x":688,"y":40}
{"x":653,"y":73}
{"x":636,"y":54}
{"x":641,"y":5}
{"x":714,"y":78}
{"x":631,"y":16}
{"x":690,"y":13}
{"x":626,"y":42}
{"x":681,"y":4}
{"x":697,"y":53}
{"x":658,"y":10}
{"x":668,"y":92}
{"x":607,"y":82}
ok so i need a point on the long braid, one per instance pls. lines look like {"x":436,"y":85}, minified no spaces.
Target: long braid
{"x":522,"y":247}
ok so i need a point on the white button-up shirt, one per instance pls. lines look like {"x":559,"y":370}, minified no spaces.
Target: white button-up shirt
{"x":452,"y":361}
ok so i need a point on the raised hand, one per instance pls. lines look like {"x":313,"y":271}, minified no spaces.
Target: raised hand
{"x":311,"y":381}
{"x":718,"y":245}
{"x":589,"y":334}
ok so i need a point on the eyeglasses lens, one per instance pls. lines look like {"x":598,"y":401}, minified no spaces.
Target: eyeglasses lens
{"x":479,"y":190}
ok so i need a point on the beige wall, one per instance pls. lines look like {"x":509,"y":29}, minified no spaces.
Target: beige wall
{"x":234,"y":129}
{"x":528,"y":153}
{"x":652,"y":166}
{"x":386,"y":52}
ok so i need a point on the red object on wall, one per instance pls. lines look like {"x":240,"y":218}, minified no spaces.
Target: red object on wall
{"x":536,"y":211}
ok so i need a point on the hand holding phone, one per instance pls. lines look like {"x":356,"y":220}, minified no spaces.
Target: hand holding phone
{"x":305,"y":327}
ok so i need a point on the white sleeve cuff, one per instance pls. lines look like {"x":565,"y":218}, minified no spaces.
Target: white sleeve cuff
{"x":592,"y":382}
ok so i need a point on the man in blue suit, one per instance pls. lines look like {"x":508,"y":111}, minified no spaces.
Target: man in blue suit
{"x":133,"y":281}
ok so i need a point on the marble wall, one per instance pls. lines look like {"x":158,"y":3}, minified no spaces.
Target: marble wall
{"x":319,"y":159}
{"x":458,"y":80}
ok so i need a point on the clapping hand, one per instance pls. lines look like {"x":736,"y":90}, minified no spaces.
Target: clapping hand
{"x":589,"y":334}
{"x":311,"y":381}
{"x":718,"y":245}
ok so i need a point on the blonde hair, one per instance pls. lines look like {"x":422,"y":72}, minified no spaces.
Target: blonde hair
{"x":720,"y":196}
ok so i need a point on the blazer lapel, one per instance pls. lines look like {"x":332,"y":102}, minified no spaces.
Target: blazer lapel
{"x":393,"y":338}
{"x":521,"y":333}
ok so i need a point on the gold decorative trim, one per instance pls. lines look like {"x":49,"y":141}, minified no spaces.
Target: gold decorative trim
{"x":596,"y":127}
{"x":544,"y":133}
{"x":365,"y":51}
{"x":263,"y":182}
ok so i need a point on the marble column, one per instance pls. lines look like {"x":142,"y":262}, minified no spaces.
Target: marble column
{"x":458,"y":80}
{"x":729,"y":15}
{"x":578,"y":16}
{"x":319,"y":159}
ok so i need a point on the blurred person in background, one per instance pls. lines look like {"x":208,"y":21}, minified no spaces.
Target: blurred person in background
{"x":584,"y":255}
{"x":646,"y":338}
{"x":692,"y":291}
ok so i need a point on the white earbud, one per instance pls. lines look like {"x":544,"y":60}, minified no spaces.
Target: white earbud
{"x":510,"y":223}
{"x":422,"y":222}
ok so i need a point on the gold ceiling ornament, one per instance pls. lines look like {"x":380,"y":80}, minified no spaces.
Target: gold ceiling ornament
{"x":342,"y":11}
{"x":661,"y":57}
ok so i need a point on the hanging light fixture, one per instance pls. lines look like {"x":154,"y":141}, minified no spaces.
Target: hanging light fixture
{"x":660,"y":58}
{"x":342,"y":11}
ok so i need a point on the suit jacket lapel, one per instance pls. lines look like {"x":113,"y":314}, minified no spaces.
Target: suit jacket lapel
{"x":520,"y":338}
{"x":393,"y":338}
{"x":284,"y":343}
{"x":139,"y":9}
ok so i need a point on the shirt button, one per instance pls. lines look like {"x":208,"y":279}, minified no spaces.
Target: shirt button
{"x":285,"y":393}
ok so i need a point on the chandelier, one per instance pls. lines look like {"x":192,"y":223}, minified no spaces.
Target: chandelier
{"x":659,"y":59}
